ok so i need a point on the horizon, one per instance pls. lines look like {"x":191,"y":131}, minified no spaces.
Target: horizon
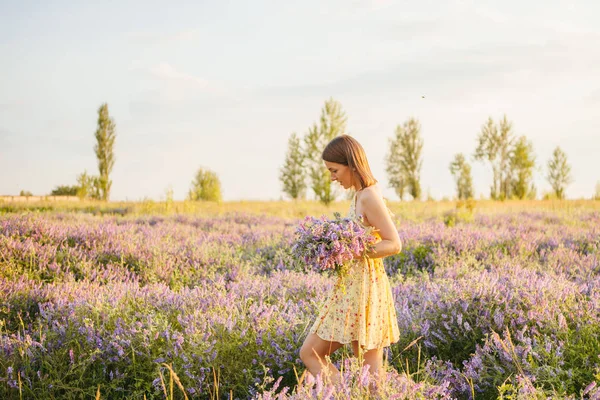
{"x":223,"y":87}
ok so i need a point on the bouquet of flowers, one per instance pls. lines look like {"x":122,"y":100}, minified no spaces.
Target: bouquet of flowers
{"x":328,"y":245}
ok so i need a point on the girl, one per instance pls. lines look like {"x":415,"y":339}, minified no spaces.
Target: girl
{"x":364,"y":313}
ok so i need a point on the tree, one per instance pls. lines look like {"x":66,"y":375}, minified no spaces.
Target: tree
{"x":494,"y":144}
{"x":332,"y":124}
{"x":104,"y":148}
{"x":393,"y":167}
{"x":205,"y":186}
{"x":522,"y":162}
{"x":461,"y":170}
{"x":404,"y":160}
{"x":506,"y":141}
{"x":88,"y":186}
{"x":25,"y":193}
{"x":292,"y":174}
{"x":597,"y":194}
{"x":559,"y":172}
{"x":64,"y":190}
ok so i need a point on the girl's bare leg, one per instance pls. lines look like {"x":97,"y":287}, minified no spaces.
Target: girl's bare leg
{"x":374,"y":359}
{"x":313,"y":353}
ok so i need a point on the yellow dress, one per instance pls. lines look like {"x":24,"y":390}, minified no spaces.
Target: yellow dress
{"x":364,"y":311}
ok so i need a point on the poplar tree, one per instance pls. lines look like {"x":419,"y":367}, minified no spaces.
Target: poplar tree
{"x":461,"y":171}
{"x":522,"y":162}
{"x":405,"y":159}
{"x":104,"y":148}
{"x":494,"y":144}
{"x":332,"y":124}
{"x":559,"y":172}
{"x":292,"y":174}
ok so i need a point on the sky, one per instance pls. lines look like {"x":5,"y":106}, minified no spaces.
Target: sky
{"x":223,"y":84}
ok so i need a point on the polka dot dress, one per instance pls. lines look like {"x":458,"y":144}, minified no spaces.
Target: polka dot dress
{"x":364,"y":311}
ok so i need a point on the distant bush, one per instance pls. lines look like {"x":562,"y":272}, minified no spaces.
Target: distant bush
{"x":462,"y":213}
{"x":65,"y":190}
{"x":205,"y":186}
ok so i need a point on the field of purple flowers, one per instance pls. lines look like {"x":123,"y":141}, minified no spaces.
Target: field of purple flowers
{"x":497,"y":306}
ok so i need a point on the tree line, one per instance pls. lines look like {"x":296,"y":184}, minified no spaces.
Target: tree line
{"x":511,"y":159}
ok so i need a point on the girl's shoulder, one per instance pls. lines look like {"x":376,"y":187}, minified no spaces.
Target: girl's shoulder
{"x":372,"y":195}
{"x":370,"y":192}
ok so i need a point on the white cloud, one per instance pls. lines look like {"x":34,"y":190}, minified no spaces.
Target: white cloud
{"x":168,"y":72}
{"x":164,"y":84}
{"x":177,"y":94}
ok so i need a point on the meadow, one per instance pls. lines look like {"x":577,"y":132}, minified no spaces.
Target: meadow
{"x":204,"y":300}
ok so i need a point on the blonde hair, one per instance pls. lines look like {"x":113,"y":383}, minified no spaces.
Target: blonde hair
{"x":346,"y":150}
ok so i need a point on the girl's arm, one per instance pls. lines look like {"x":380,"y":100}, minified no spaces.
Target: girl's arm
{"x":376,"y":213}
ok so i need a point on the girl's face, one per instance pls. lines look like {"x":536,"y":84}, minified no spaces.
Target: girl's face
{"x":341,"y":174}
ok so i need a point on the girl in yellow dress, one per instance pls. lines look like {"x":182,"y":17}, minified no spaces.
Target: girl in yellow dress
{"x":363,"y":314}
